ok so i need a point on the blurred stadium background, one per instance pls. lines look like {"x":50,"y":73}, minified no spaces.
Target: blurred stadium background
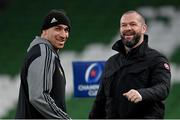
{"x":95,"y":26}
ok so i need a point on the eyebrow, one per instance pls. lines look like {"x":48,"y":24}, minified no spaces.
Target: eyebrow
{"x":62,"y":26}
{"x":128,"y":23}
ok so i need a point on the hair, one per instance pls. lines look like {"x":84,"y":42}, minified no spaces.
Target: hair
{"x":142,"y":18}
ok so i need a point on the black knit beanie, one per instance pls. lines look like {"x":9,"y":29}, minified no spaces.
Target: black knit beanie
{"x":55,"y":17}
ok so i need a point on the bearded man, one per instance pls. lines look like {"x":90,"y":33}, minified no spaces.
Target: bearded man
{"x":136,"y":80}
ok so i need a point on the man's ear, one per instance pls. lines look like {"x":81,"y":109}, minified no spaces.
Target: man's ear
{"x":43,"y":33}
{"x":144,"y":28}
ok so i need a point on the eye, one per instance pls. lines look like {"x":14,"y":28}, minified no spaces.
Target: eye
{"x":58,"y":28}
{"x":133,"y":24}
{"x":123,"y":25}
{"x":67,"y":29}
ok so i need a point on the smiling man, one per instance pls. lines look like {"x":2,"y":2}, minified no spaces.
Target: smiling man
{"x":136,"y":80}
{"x":132,"y":29}
{"x":42,"y":89}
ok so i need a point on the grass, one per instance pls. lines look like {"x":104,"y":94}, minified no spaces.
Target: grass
{"x":79,"y":108}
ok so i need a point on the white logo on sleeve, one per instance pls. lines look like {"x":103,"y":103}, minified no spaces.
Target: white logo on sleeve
{"x":53,"y":20}
{"x":167,"y":66}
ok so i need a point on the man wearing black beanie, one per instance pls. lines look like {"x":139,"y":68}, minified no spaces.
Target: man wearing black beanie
{"x":42,"y":89}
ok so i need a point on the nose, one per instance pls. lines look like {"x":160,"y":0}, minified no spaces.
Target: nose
{"x":63,"y":34}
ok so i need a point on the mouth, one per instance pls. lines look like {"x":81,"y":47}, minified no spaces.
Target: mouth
{"x":129,"y":35}
{"x":61,"y":42}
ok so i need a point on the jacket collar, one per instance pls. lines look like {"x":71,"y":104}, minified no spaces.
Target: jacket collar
{"x":136,"y":52}
{"x":40,"y":40}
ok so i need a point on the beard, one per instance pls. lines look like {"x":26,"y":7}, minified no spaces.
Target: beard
{"x":130,"y":43}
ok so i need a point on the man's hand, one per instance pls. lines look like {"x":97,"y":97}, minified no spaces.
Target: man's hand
{"x":133,"y":96}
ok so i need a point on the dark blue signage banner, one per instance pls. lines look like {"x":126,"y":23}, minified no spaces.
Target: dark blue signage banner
{"x":87,"y":77}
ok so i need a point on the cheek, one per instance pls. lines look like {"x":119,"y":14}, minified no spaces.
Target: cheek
{"x":138,"y":30}
{"x":121,"y":30}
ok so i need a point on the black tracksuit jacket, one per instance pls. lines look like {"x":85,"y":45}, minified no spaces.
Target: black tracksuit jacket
{"x":143,"y":69}
{"x":42,"y":89}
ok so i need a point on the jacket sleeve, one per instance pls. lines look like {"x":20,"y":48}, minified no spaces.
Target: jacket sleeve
{"x":159,"y":81}
{"x":39,"y":79}
{"x":98,"y":109}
